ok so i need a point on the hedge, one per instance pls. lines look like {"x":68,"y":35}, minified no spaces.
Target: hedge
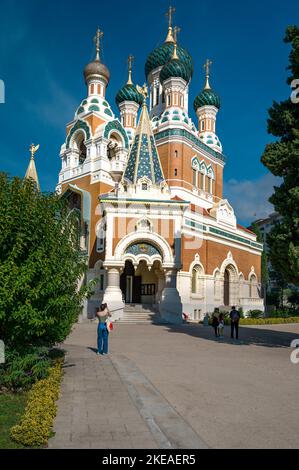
{"x":263,"y":321}
{"x":268,"y":321}
{"x":36,"y":424}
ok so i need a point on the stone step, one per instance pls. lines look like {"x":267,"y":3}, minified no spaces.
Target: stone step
{"x":139,"y":317}
{"x":140,"y":308}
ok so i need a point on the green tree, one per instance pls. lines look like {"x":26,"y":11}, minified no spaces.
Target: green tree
{"x":40,"y":266}
{"x":282,"y":159}
{"x":264,"y":261}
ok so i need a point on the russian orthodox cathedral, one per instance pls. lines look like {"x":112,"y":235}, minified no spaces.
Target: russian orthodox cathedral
{"x":147,"y":187}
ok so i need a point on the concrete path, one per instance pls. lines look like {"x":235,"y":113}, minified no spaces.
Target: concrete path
{"x":108,"y":403}
{"x":177,"y":387}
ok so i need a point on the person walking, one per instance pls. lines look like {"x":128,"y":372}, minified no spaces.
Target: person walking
{"x":235,"y":318}
{"x":103,"y":333}
{"x":215,"y":324}
{"x":221,"y":325}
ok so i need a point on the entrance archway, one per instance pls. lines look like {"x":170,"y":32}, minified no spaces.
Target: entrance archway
{"x":130,"y":284}
{"x":140,"y":285}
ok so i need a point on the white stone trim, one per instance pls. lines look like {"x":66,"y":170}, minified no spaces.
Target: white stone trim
{"x":149,"y":237}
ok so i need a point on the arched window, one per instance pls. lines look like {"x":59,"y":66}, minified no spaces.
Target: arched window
{"x":176,"y":153}
{"x":168,"y":100}
{"x":253,"y":287}
{"x":100,"y":274}
{"x":175,"y":172}
{"x":202,"y":125}
{"x":202,"y":181}
{"x":226,"y":289}
{"x":210,"y":187}
{"x":230,"y":285}
{"x":101,"y":239}
{"x":115,"y":143}
{"x":241,"y":286}
{"x":195,"y":173}
{"x":79,"y":145}
{"x":157,"y":96}
{"x":197,"y":280}
{"x":217,"y":286}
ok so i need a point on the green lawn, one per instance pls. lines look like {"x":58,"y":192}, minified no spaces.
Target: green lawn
{"x":12,"y":407}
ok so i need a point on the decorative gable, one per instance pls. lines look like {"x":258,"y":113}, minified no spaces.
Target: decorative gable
{"x":224,"y":213}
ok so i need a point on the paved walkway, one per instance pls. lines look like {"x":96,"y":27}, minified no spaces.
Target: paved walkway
{"x":108,"y":403}
{"x":176,"y":387}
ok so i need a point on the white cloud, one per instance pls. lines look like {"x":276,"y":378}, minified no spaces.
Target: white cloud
{"x":249,"y":198}
{"x":56,"y":107}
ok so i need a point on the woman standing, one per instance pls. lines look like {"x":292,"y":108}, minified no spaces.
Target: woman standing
{"x":103,"y":314}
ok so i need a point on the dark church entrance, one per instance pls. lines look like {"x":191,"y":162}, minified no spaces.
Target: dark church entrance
{"x":130,"y":285}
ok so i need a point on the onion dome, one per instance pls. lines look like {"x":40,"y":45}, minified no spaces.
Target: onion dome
{"x":95,"y":68}
{"x":129,"y":92}
{"x":207,"y":97}
{"x":163,"y":54}
{"x":175,"y":68}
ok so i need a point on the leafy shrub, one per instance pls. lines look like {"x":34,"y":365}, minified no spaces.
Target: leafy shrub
{"x":255,"y":313}
{"x":22,"y":370}
{"x":262,"y":321}
{"x":241,"y":312}
{"x":40,"y":265}
{"x":36,"y":424}
{"x":283,"y":313}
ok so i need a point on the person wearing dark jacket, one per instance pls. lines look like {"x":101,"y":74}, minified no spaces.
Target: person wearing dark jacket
{"x":234,"y":318}
{"x":215,"y":324}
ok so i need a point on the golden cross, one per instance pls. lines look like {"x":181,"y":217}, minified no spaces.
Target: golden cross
{"x":176,"y":31}
{"x":207,"y":66}
{"x":97,"y":39}
{"x":130,"y":62}
{"x":169,"y":14}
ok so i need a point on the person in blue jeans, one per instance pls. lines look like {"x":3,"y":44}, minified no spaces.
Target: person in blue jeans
{"x":102,"y":314}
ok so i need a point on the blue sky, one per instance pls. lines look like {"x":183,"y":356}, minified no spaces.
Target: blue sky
{"x":45,"y":44}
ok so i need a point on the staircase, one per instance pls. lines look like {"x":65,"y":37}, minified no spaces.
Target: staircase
{"x":140,"y":313}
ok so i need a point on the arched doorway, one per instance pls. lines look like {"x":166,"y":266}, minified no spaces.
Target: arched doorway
{"x":226,"y":296}
{"x":130,"y":284}
{"x":140,"y":285}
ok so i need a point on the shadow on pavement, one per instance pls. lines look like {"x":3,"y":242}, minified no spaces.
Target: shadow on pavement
{"x":247,"y":336}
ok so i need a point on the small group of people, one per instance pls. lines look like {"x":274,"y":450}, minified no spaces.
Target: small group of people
{"x":103,"y":314}
{"x":218,"y":322}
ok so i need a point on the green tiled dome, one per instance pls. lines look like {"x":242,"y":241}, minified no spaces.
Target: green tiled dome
{"x":206,"y":97}
{"x":175,"y":68}
{"x":163,"y":54}
{"x":128,"y":93}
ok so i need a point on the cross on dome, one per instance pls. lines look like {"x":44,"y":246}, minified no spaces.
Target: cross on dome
{"x":206,"y":66}
{"x":130,"y":63}
{"x":169,"y":15}
{"x":97,"y":39}
{"x":176,"y":31}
